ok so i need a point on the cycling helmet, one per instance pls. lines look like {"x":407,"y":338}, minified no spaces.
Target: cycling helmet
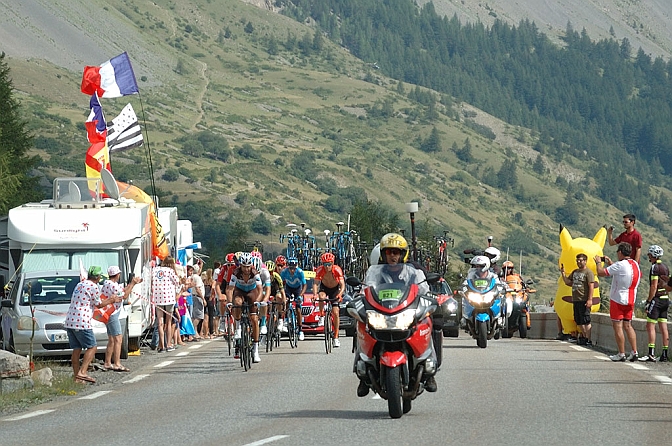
{"x":245,"y":259}
{"x":390,"y":241}
{"x":481,"y":263}
{"x":237,"y":255}
{"x":493,"y":254}
{"x":656,"y":251}
{"x":507,"y":264}
{"x":280,"y":261}
{"x":256,"y":262}
{"x":292,"y":261}
{"x":230,"y":258}
{"x":327,"y":257}
{"x":256,"y":254}
{"x":270,"y":265}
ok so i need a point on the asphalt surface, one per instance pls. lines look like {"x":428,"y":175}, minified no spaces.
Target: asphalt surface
{"x":515,"y":391}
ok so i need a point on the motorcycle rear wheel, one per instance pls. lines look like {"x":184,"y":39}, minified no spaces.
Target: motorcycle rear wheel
{"x":482,"y":337}
{"x":393,"y":389}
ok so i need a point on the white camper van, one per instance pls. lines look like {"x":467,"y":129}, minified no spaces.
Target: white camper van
{"x":78,"y":228}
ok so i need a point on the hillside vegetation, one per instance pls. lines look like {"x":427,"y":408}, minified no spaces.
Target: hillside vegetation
{"x":256,"y":121}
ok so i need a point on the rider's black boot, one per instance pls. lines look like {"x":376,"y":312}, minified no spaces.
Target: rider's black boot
{"x":362,"y":389}
{"x":430,"y":384}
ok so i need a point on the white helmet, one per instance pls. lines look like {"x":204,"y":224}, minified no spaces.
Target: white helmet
{"x":482,"y":263}
{"x":493,"y":254}
{"x":656,"y":251}
{"x":375,"y":255}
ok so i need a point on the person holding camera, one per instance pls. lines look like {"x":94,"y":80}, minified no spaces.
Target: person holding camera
{"x":630,"y":235}
{"x":623,"y":293}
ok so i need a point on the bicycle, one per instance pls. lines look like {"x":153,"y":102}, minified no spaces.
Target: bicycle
{"x":292,"y":322}
{"x":245,"y":341}
{"x":273,"y":334}
{"x":328,"y":323}
{"x":228,"y":324}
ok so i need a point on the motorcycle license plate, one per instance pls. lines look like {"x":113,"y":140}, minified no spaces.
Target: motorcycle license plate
{"x":59,"y":337}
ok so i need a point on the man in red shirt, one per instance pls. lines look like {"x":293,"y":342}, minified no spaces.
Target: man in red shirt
{"x":630,"y":235}
{"x":330,"y":283}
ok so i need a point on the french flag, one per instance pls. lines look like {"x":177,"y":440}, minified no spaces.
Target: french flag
{"x":96,"y":127}
{"x":113,"y":79}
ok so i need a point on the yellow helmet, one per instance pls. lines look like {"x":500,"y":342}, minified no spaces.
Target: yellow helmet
{"x":393,"y":240}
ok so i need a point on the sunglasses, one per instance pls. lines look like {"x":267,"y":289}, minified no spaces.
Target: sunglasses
{"x":327,"y":263}
{"x":626,"y":221}
{"x":394,"y":251}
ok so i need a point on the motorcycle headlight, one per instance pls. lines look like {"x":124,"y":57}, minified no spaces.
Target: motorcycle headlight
{"x":478,"y":298}
{"x":400,"y":321}
{"x":452,"y":306}
{"x":519,"y":299}
{"x":26,"y":323}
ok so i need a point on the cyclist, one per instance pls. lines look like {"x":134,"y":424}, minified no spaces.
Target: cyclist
{"x":265,"y":276}
{"x":277,"y":292}
{"x":223,"y":279}
{"x":295,"y":287}
{"x":246,"y":284}
{"x":329,"y":282}
{"x":280,"y":263}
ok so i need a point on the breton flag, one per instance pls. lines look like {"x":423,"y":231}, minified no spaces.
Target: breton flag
{"x":113,"y":79}
{"x":124,"y":133}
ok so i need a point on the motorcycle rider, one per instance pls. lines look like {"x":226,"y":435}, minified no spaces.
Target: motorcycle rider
{"x":494,"y":255}
{"x":394,"y":253}
{"x":480,"y":269}
{"x":514,"y":281}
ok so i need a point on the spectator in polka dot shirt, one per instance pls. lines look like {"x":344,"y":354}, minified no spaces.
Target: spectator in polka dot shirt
{"x":165,"y":286}
{"x":85,"y":298}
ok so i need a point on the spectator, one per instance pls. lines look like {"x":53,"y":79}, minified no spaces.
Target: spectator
{"x":630,"y":235}
{"x":112,"y":288}
{"x":623,"y":293}
{"x":198,"y":299}
{"x":165,"y":284}
{"x":210,"y":298}
{"x":187,"y":330}
{"x":657,"y":304}
{"x":85,"y":298}
{"x":582,"y":281}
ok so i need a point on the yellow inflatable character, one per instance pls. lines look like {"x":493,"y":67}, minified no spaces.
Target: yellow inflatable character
{"x":570,"y":248}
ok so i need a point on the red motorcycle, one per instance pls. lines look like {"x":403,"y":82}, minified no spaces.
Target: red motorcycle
{"x":394,"y":354}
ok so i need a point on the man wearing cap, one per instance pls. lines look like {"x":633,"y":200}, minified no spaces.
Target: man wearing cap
{"x":112,"y":288}
{"x":85,"y":298}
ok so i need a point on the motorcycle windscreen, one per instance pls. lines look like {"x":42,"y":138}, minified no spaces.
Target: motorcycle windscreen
{"x":391,"y":284}
{"x":390,"y":295}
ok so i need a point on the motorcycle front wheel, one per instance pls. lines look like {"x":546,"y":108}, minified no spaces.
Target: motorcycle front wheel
{"x":393,"y":388}
{"x":482,"y":337}
{"x":522,"y":326}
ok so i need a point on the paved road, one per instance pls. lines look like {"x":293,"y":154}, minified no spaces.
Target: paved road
{"x":522,"y":392}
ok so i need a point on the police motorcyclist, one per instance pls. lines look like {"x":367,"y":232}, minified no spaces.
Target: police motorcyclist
{"x":394,"y":253}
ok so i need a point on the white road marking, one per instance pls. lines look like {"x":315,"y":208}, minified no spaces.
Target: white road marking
{"x":95,"y":395}
{"x":664,"y":379}
{"x":638,"y":366}
{"x":182,"y":354}
{"x":163,"y":364}
{"x":29,"y":415}
{"x":376,"y":397}
{"x":576,"y":347}
{"x":267,"y":440}
{"x":135,"y":379}
{"x":603,"y":358}
{"x":194,"y":347}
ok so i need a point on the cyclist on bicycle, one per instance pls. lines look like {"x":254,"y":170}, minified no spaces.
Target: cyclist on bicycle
{"x":245,"y":285}
{"x":295,"y":287}
{"x":280,"y":263}
{"x":265,"y":276}
{"x":277,"y":293}
{"x":329,"y":283}
{"x":223,"y":279}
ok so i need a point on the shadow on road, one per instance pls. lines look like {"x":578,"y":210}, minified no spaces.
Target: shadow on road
{"x":333,"y":414}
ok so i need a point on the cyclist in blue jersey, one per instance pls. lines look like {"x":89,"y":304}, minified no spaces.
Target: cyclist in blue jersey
{"x":295,"y":286}
{"x":245,"y":284}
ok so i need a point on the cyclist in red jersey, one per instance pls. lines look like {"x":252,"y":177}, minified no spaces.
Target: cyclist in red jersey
{"x":629,"y":235}
{"x":330,"y":283}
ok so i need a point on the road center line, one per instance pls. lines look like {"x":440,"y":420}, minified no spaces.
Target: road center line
{"x":135,"y":379}
{"x":267,"y":440}
{"x":95,"y":395}
{"x":163,"y":364}
{"x":29,"y":415}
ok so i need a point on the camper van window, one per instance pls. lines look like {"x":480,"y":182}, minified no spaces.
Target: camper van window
{"x":44,"y":261}
{"x":102,"y":258}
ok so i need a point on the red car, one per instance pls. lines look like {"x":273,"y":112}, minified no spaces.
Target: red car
{"x":310,"y":310}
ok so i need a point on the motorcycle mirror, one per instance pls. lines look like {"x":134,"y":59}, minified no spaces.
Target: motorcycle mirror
{"x":432,"y":277}
{"x":529,"y":282}
{"x":353,"y":281}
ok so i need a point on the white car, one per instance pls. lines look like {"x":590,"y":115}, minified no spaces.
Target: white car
{"x":49,"y":293}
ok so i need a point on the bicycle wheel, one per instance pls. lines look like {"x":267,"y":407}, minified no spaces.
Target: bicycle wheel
{"x":228,"y":332}
{"x":327,"y":331}
{"x":291,"y":328}
{"x":271,"y":326}
{"x":245,"y":346}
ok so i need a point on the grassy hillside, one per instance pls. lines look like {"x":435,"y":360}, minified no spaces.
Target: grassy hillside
{"x":225,"y":67}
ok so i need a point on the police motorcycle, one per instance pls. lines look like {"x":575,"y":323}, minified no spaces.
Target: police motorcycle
{"x":483,"y":302}
{"x":394,"y":354}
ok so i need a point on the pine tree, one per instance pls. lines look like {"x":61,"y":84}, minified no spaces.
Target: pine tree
{"x":16,"y":186}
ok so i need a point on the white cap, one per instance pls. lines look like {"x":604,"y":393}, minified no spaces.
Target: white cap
{"x":113,"y":271}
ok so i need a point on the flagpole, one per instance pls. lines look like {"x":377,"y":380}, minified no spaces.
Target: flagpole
{"x":148,"y":150}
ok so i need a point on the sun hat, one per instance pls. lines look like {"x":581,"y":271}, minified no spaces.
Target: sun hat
{"x":95,"y":271}
{"x":113,"y":271}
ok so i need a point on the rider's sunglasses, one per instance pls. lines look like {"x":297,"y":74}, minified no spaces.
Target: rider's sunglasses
{"x":327,"y":263}
{"x":394,"y":251}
